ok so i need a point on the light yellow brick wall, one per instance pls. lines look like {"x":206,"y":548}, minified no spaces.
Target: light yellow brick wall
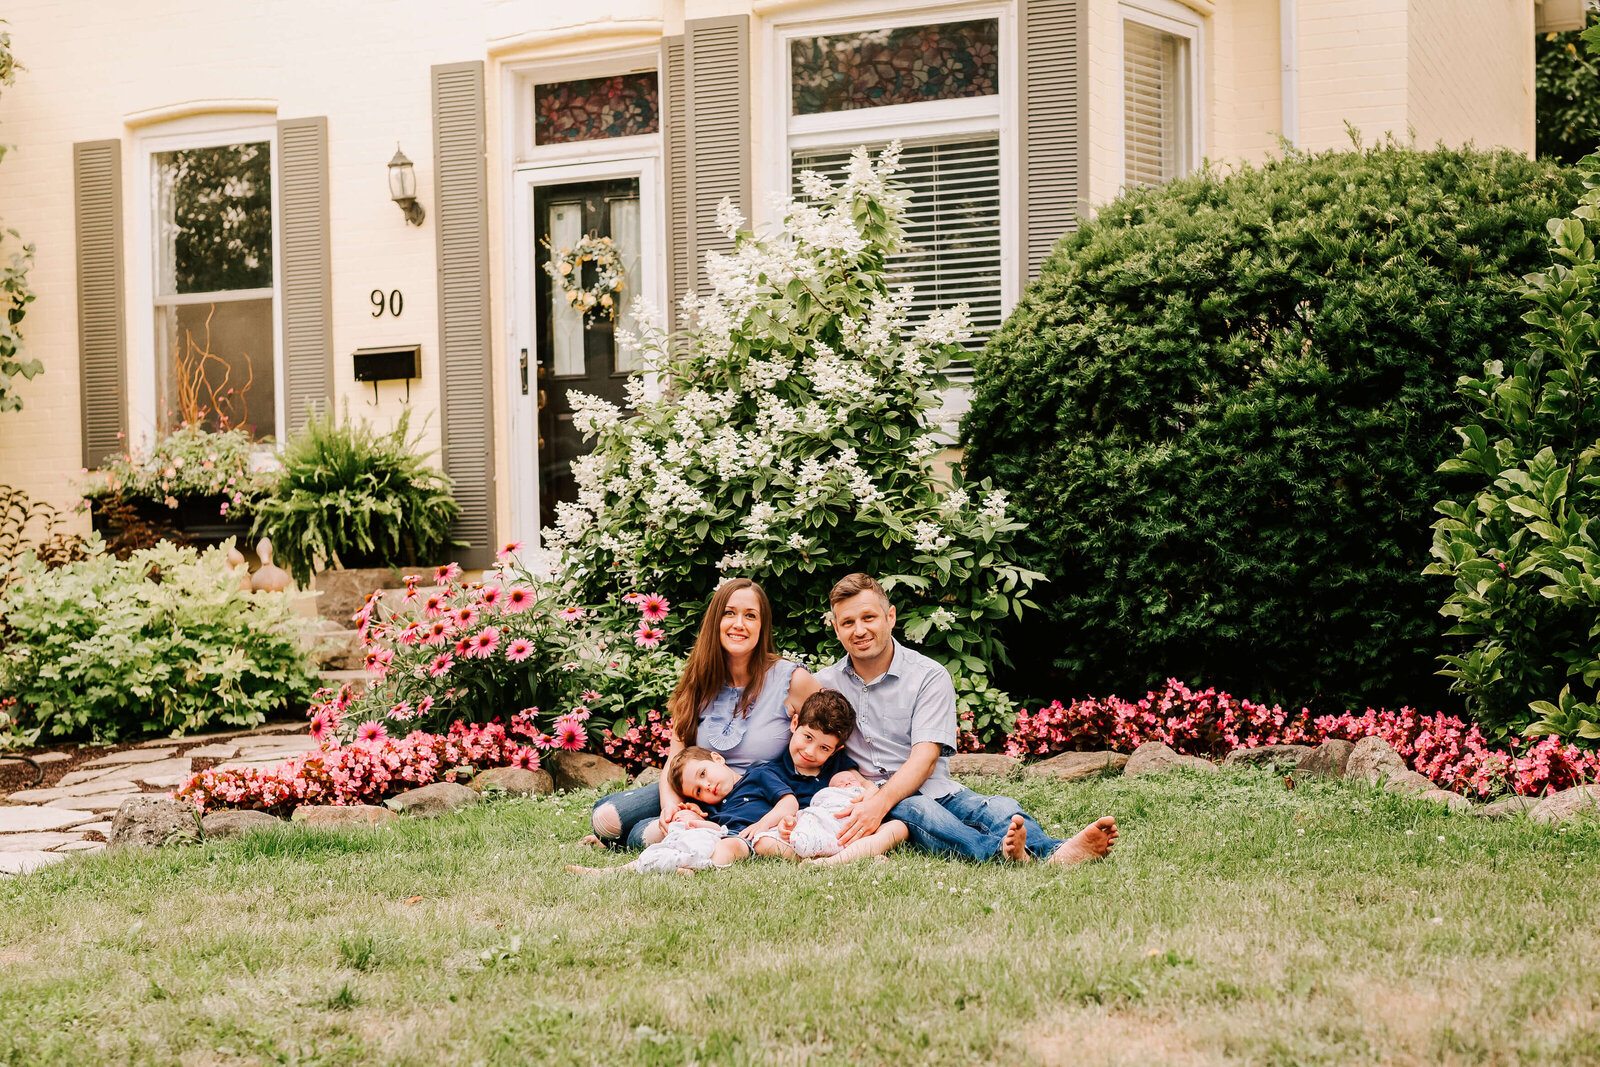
{"x":1470,"y":72}
{"x":1352,"y":58}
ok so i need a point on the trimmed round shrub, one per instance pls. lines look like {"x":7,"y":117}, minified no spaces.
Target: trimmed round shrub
{"x":1222,"y":408}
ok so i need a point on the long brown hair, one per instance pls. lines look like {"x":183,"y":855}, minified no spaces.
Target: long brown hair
{"x":707,"y":670}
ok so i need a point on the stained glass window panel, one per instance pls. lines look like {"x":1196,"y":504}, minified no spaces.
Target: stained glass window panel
{"x":909,"y":65}
{"x":593,"y":109}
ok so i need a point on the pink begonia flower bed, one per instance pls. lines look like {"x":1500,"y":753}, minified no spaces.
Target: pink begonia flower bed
{"x":1447,"y":749}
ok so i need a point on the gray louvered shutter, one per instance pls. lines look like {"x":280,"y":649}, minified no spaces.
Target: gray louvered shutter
{"x":680,"y":242}
{"x":717,"y":60}
{"x":461,"y":218}
{"x":1054,"y":87}
{"x":102,"y":342}
{"x":305,"y":273}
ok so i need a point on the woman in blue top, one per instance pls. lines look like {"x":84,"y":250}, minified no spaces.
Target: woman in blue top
{"x":736,"y":697}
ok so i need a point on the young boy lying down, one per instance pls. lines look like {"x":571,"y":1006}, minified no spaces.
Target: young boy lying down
{"x":760,"y":808}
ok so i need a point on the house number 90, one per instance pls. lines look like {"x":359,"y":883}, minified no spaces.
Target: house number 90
{"x":394,"y":302}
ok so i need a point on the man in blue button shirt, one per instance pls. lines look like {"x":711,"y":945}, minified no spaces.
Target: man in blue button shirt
{"x":905,"y":734}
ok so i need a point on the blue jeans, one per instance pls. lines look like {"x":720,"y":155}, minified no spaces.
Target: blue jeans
{"x":635,"y":809}
{"x":967,"y":825}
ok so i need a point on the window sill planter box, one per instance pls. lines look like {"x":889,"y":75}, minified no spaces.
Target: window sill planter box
{"x":198,"y":520}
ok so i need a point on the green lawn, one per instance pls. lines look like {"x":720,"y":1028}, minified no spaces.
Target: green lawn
{"x":1238,"y":921}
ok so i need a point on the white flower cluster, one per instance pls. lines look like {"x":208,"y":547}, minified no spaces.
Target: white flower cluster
{"x":930,"y":538}
{"x":590,"y":414}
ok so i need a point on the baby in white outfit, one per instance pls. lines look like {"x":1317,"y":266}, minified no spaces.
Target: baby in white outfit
{"x":812,"y":834}
{"x":691,"y":844}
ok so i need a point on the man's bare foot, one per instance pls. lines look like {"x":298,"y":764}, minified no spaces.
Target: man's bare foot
{"x":1014,"y":846}
{"x":1093,"y":842}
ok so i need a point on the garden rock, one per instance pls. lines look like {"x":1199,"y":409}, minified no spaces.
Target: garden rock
{"x":1408,"y":782}
{"x":1268,"y":754}
{"x":1076,"y":766}
{"x":1506,"y":807}
{"x":153,"y":820}
{"x":1567,"y":805}
{"x":515,"y":781}
{"x":582,"y":770}
{"x":990,"y":764}
{"x":233,"y":823}
{"x":1374,"y":758}
{"x":339,"y":649}
{"x":342,"y":815}
{"x":1153,"y":757}
{"x":1327,"y":760}
{"x":430,"y":801}
{"x":648,"y":776}
{"x":1453,"y":801}
{"x":344,"y":592}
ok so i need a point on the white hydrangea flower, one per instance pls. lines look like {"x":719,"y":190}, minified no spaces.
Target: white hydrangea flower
{"x":994,"y":506}
{"x":942,"y":618}
{"x":949,"y":326}
{"x":798,"y":542}
{"x":728,"y":218}
{"x":591,"y":414}
{"x":930,"y":538}
{"x":759,"y":521}
{"x":816,"y":186}
{"x":734,"y":561}
{"x":955,"y":500}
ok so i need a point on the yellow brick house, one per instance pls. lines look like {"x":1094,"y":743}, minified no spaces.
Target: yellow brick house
{"x":213,"y":188}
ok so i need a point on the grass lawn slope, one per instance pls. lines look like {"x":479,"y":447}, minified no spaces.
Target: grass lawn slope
{"x":1238,"y":921}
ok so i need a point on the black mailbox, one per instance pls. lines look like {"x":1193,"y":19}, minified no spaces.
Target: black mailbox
{"x":391,"y":363}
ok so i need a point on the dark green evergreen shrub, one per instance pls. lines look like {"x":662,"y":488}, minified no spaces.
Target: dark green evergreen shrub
{"x":1222,"y":407}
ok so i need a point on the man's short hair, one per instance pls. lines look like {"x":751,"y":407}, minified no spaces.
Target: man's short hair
{"x":853,"y":584}
{"x":681,"y":760}
{"x":828,"y":712}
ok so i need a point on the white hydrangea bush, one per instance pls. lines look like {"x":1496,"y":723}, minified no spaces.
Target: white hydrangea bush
{"x":789,"y":440}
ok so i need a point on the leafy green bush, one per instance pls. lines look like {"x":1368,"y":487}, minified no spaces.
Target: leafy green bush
{"x":1222,"y":407}
{"x":1567,"y":90}
{"x":15,"y":292}
{"x":348,"y":496}
{"x":790,"y":444}
{"x":1523,"y":550}
{"x":162,"y":642}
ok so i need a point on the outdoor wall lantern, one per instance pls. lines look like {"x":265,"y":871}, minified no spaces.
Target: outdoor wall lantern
{"x":403,"y":187}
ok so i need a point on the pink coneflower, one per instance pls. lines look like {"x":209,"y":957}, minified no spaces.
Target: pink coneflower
{"x":446,"y":574}
{"x":589,"y":696}
{"x":518,"y":598}
{"x":412,"y":633}
{"x":465,"y":617}
{"x":424,"y":706}
{"x":434,"y":606}
{"x":490,"y":597}
{"x":570,"y":735}
{"x":441,"y":664}
{"x":487,"y":641}
{"x":519,"y":650}
{"x":648,"y":636}
{"x":437,"y":633}
{"x":378,"y":660}
{"x":509,"y":549}
{"x":653,"y":608}
{"x":579,"y":713}
{"x":570,"y":614}
{"x":402,"y":711}
{"x":321,"y":723}
{"x":527,"y":759}
{"x":632,"y":598}
{"x":371,"y":731}
{"x":464,"y":646}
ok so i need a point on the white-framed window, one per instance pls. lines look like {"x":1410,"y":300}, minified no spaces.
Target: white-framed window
{"x":1162,"y":51}
{"x":208,"y":343}
{"x":940,"y":80}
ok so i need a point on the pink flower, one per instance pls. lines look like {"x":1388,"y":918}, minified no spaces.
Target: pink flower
{"x":570,"y":735}
{"x":441,"y":665}
{"x":589,"y":696}
{"x":648,"y":636}
{"x":519,"y":650}
{"x":486,"y":641}
{"x":509,"y":549}
{"x":424,"y":706}
{"x":371,"y":731}
{"x":632,"y":598}
{"x":653,"y":608}
{"x":437,"y":633}
{"x":446,"y":574}
{"x":570,"y":614}
{"x":465,"y":617}
{"x":518,"y":598}
{"x":490,"y":597}
{"x":579,"y":713}
{"x":402,"y":711}
{"x":321,"y":723}
{"x":434,"y":606}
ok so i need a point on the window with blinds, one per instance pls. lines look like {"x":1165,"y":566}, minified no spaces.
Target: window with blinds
{"x":952,"y":246}
{"x":1155,"y":108}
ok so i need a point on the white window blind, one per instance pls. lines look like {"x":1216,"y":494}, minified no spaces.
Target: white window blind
{"x":1154,"y":109}
{"x":952,"y":247}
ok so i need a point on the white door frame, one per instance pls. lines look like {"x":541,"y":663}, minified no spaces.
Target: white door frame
{"x":523,"y":411}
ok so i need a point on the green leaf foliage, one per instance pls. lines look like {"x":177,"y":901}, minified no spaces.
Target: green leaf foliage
{"x":348,"y":496}
{"x":159,"y":643}
{"x":1520,"y":544}
{"x":1567,"y":89}
{"x":1222,"y":406}
{"x":15,"y":292}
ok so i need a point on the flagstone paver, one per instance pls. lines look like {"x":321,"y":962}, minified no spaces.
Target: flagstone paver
{"x":22,"y":818}
{"x":97,"y":802}
{"x":41,"y":841}
{"x":221,"y":750}
{"x":83,"y":846}
{"x":133,"y":755}
{"x":83,"y":789}
{"x":24,"y":862}
{"x":97,"y":827}
{"x":49,"y":757}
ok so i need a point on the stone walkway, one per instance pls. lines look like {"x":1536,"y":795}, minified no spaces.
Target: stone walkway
{"x":43,"y":826}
